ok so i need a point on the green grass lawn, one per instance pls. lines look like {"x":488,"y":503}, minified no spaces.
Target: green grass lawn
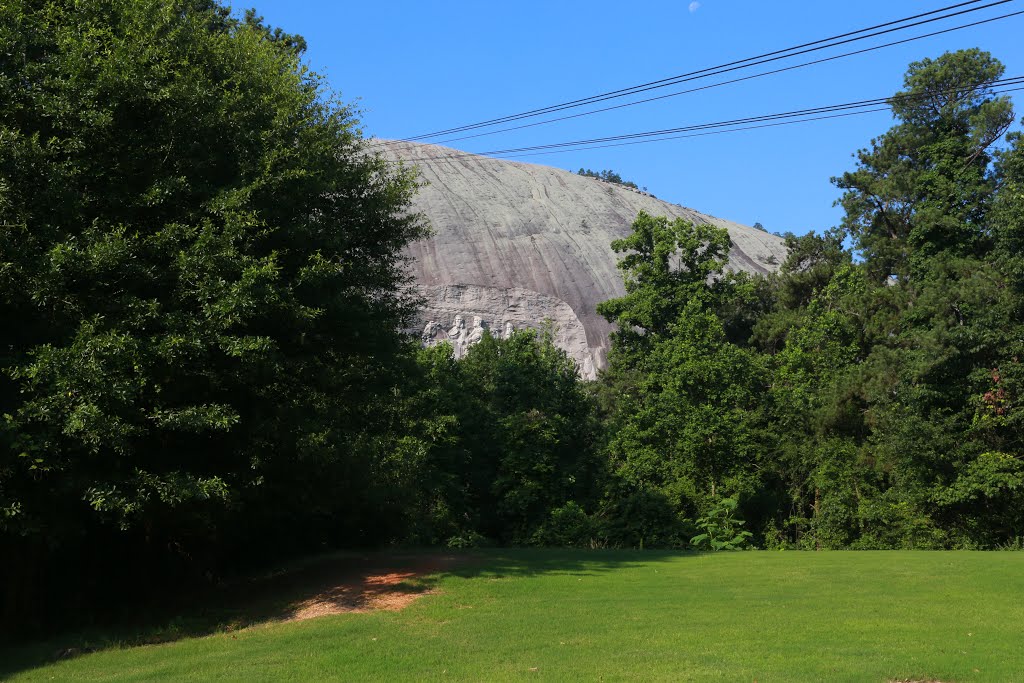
{"x":577,"y":615}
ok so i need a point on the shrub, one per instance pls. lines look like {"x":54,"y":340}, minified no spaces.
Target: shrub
{"x":567,"y":526}
{"x":722,"y":530}
{"x":643,"y":519}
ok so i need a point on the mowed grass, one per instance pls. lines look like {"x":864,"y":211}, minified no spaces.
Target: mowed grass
{"x":614,"y":616}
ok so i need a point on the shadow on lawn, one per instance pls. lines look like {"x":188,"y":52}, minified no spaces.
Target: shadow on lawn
{"x":329,"y":584}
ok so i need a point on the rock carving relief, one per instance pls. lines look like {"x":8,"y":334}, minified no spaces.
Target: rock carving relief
{"x":461,"y":314}
{"x":477,"y":333}
{"x":459,"y":336}
{"x":433,"y":333}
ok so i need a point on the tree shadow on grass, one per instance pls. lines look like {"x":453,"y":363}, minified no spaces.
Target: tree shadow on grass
{"x":531,"y":562}
{"x":327,"y":584}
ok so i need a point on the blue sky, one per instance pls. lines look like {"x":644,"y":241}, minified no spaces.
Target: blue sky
{"x":417,"y":67}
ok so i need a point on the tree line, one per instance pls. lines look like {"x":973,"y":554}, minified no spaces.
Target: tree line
{"x":608,"y":176}
{"x":203,"y":367}
{"x":867,"y":395}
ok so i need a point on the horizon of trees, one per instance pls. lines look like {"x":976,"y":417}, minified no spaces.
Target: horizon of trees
{"x":608,"y":176}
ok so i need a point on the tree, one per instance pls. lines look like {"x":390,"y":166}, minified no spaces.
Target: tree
{"x":199,"y":282}
{"x":941,"y":338}
{"x":890,"y":376}
{"x":924,"y":187}
{"x":666,"y":265}
{"x":494,"y":443}
{"x":532,"y":428}
{"x":608,"y":176}
{"x":682,"y":424}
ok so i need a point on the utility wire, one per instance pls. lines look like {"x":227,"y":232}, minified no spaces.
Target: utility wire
{"x":728,"y":67}
{"x":717,"y":132}
{"x":697,"y":135}
{"x":802,"y":112}
{"x":731,"y":81}
{"x":822,"y":112}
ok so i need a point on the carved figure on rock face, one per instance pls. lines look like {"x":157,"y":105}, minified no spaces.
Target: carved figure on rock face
{"x":477,"y":333}
{"x":509,"y":329}
{"x":432,"y":333}
{"x":457,"y":336}
{"x":457,"y":328}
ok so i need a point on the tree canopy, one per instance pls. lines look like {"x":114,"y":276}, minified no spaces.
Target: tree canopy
{"x":866,"y":394}
{"x":200,"y":280}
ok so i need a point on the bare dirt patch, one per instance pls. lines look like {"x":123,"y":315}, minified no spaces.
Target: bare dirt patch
{"x":390,"y":592}
{"x":356,"y":584}
{"x":317,"y":586}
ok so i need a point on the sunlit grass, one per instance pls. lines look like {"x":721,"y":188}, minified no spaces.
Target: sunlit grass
{"x":561,"y":615}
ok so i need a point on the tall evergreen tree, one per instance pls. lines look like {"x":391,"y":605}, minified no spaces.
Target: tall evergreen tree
{"x":924,"y":187}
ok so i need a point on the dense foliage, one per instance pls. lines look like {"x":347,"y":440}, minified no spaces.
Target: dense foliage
{"x":199,"y":289}
{"x":518,"y":441}
{"x":202,"y":364}
{"x":867,"y":395}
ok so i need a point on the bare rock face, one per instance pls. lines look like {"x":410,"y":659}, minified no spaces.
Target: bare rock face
{"x":516,"y":245}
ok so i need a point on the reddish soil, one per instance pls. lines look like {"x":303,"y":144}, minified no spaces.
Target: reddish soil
{"x":373,"y":592}
{"x":356,"y":584}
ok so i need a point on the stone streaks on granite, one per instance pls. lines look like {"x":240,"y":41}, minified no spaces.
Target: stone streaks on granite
{"x":542,"y":232}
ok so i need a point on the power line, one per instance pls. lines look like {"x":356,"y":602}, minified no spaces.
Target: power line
{"x":798,"y":116}
{"x":697,"y":135}
{"x":731,"y":81}
{"x":776,"y":55}
{"x":802,"y":112}
{"x":719,"y":132}
{"x":1002,"y":83}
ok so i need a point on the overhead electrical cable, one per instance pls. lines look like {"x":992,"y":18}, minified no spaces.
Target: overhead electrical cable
{"x":704,"y":73}
{"x":713,"y":132}
{"x":776,"y":55}
{"x":694,"y":135}
{"x":814,"y":110}
{"x":733,"y":80}
{"x":827,"y":111}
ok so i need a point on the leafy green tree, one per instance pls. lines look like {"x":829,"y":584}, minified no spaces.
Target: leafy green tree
{"x":810,"y":265}
{"x":816,"y":427}
{"x":199,"y":282}
{"x":941,"y":335}
{"x":493,"y":446}
{"x":666,"y":264}
{"x":1008,"y":211}
{"x":683,"y":421}
{"x":532,"y":432}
